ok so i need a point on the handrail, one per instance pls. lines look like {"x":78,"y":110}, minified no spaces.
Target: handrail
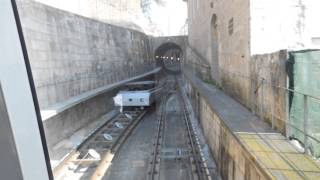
{"x":266,"y":82}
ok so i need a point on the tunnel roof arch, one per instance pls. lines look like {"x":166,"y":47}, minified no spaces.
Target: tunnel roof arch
{"x":161,"y":51}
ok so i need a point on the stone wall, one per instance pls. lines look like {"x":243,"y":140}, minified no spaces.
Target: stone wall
{"x":242,"y":42}
{"x":233,"y":160}
{"x":71,"y":54}
{"x":268,"y":98}
{"x":227,"y":33}
{"x":227,"y":53}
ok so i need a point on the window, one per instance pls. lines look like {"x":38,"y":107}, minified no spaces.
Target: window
{"x":211,"y":4}
{"x":230,"y":26}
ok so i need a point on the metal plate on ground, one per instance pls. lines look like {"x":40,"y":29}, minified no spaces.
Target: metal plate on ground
{"x":128,"y":116}
{"x":94,"y":154}
{"x":119,"y":125}
{"x":107,"y":136}
{"x":175,"y":153}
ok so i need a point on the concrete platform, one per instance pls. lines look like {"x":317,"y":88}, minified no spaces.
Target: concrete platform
{"x":245,"y":146}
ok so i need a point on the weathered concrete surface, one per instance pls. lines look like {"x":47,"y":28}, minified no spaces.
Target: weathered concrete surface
{"x":75,"y":100}
{"x":63,"y":125}
{"x":67,"y":122}
{"x":71,"y":54}
{"x":245,"y":146}
{"x":225,"y":52}
{"x":267,"y":98}
{"x":71,"y":57}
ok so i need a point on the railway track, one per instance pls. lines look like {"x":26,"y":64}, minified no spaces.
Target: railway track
{"x":93,"y":156}
{"x":153,"y":170}
{"x":198,"y":165}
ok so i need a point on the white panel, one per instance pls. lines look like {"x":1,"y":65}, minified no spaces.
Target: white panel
{"x":17,"y":94}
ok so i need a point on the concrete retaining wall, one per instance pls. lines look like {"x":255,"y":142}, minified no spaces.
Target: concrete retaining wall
{"x":66,"y":123}
{"x":234,"y":162}
{"x":243,"y":145}
{"x":71,"y":54}
{"x":267,"y":99}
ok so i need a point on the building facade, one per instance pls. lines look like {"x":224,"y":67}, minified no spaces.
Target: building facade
{"x":245,"y":45}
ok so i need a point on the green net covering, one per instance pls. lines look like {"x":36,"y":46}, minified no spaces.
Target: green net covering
{"x":304,"y":73}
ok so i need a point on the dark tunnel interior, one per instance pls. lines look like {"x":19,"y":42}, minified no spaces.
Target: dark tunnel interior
{"x":169,"y":57}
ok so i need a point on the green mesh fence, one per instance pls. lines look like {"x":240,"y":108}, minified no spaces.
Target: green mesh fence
{"x":304,"y":73}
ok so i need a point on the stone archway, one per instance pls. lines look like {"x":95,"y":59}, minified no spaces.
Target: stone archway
{"x":169,"y":56}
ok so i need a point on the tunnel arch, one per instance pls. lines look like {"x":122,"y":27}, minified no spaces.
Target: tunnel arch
{"x":169,"y":56}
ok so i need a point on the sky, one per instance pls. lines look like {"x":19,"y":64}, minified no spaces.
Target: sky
{"x":169,"y":18}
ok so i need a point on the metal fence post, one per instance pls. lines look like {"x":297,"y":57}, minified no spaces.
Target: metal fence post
{"x":272,"y":109}
{"x":288,"y":122}
{"x":305,"y":122}
{"x":262,"y":99}
{"x":252,"y":94}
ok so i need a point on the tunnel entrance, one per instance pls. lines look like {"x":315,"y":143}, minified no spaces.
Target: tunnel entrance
{"x":169,"y":57}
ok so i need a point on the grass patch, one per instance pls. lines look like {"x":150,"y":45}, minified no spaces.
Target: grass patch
{"x":212,"y":82}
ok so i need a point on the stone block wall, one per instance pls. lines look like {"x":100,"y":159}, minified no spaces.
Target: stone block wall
{"x":240,"y":59}
{"x":268,"y":98}
{"x":233,"y":160}
{"x":228,"y":53}
{"x":71,"y":54}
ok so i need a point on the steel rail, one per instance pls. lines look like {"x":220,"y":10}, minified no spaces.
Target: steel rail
{"x":109,"y":155}
{"x":115,"y":145}
{"x":195,"y":147}
{"x":157,"y":142}
{"x":73,"y":155}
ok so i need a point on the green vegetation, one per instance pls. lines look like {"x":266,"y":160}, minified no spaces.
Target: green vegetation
{"x":213,"y":82}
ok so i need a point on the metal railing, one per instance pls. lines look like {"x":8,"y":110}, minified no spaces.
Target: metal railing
{"x":264,"y":84}
{"x":258,"y":87}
